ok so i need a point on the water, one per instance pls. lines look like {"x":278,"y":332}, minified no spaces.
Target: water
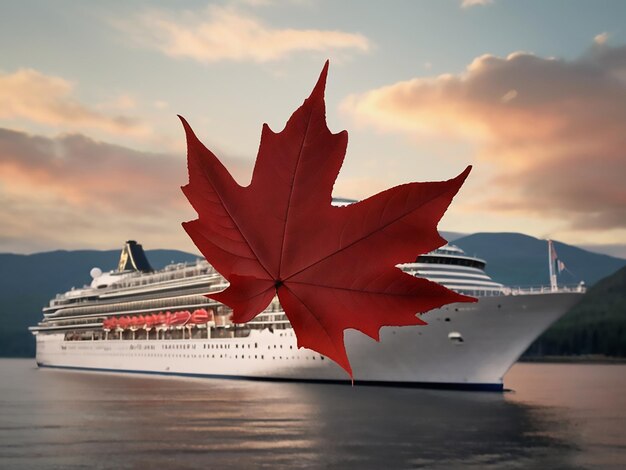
{"x":558,"y":416}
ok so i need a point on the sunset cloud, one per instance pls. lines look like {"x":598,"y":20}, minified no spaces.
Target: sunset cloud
{"x":221,"y":33}
{"x":601,"y":38}
{"x":80,"y":172}
{"x":72,"y":189}
{"x":473,"y":3}
{"x":552,"y":129}
{"x":49,"y":100}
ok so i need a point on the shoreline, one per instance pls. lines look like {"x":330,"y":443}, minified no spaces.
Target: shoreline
{"x":582,"y":359}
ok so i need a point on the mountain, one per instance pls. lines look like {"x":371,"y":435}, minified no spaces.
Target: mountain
{"x":452,"y":236}
{"x":28,"y":282}
{"x":597,"y":325}
{"x":515,"y":259}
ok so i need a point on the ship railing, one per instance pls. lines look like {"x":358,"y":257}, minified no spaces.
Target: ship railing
{"x":545,"y":289}
{"x":175,"y":272}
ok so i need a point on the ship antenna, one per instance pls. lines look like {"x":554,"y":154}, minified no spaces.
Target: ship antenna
{"x":551,"y":264}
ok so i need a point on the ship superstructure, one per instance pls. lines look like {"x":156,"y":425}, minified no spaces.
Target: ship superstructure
{"x":136,"y":319}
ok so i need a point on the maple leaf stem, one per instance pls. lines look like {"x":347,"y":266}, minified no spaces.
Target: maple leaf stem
{"x":341,"y":355}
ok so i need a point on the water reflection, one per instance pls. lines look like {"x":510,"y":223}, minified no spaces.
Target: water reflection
{"x":62,"y":419}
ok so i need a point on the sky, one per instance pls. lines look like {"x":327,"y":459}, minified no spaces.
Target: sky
{"x":531,"y":93}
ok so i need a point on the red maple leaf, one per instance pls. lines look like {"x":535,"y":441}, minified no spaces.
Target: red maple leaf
{"x":333,"y":268}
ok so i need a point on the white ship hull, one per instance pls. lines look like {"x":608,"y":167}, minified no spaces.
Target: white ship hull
{"x":495,"y":332}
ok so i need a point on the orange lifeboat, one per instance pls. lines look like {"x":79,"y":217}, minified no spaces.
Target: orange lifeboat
{"x":199,"y":317}
{"x":180,"y":318}
{"x":154,"y":319}
{"x":124,"y":322}
{"x":139,"y":321}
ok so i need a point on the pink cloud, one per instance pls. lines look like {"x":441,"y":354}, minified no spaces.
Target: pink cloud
{"x":34,"y":96}
{"x":473,"y":3}
{"x":72,"y":191}
{"x":82,"y":171}
{"x":553,"y":129}
{"x":225,"y":33}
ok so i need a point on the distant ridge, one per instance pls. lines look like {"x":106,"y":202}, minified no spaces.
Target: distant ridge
{"x":28,"y":282}
{"x":515,"y":259}
{"x":596,"y":326}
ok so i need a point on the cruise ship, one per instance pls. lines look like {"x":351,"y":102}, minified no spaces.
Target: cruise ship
{"x":136,"y":319}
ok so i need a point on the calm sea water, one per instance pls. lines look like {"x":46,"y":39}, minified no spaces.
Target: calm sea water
{"x":558,"y":416}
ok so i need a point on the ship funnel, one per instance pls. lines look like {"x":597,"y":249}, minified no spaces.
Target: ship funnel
{"x":133,"y":258}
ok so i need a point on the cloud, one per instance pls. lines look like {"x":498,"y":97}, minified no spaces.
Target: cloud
{"x":473,"y":3}
{"x":220,"y":33}
{"x":72,"y":191}
{"x":44,"y":99}
{"x":80,"y":172}
{"x":122,"y":102}
{"x":601,"y":38}
{"x":508,"y":96}
{"x":552,"y":130}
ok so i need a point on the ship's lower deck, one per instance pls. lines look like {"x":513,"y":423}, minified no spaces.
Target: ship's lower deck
{"x":467,"y":346}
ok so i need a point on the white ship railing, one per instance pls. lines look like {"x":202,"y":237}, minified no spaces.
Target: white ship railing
{"x":581,"y":288}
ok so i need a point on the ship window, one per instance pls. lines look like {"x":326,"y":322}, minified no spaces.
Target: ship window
{"x":455,"y":337}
